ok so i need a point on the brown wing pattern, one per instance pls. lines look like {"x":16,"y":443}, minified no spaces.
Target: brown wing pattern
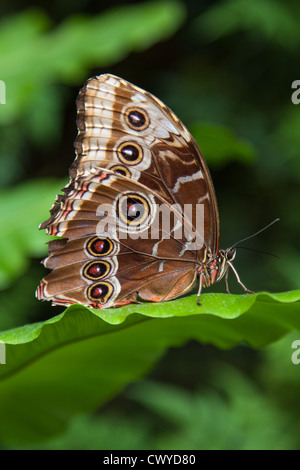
{"x":132,"y":153}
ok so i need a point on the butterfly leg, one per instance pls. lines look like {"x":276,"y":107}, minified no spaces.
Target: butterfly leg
{"x":248,"y":291}
{"x":226,"y":282}
{"x":199,"y":290}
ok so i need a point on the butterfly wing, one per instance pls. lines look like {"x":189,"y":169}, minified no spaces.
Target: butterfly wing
{"x":156,"y":150}
{"x":131,"y":152}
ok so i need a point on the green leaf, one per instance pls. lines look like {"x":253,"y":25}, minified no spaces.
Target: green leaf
{"x":270,"y":19}
{"x":22,"y":210}
{"x":34,"y":57}
{"x":226,"y":416}
{"x":37,"y":61}
{"x":220,"y":145}
{"x":80,"y":359}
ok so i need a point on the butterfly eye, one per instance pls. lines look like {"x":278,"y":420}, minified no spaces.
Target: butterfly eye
{"x":137,"y":119}
{"x":101,"y":292}
{"x":133,"y":209}
{"x":130,"y":153}
{"x":121,"y":170}
{"x":230,"y":254}
{"x":100,"y":246}
{"x":96,"y":270}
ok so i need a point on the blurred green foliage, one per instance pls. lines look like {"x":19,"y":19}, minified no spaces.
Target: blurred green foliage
{"x":226,"y":69}
{"x":266,"y":19}
{"x":222,"y":145}
{"x":17,"y":246}
{"x":37,"y":60}
{"x":226,"y":410}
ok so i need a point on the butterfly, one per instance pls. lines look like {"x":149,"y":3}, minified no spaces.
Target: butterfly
{"x":137,"y":168}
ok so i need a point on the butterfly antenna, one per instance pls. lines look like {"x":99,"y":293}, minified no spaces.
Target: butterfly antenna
{"x":256,"y":233}
{"x":259,"y":251}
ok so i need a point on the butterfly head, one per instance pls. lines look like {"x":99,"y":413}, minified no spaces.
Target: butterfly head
{"x":216,"y":265}
{"x":228,"y":254}
{"x":223,"y":260}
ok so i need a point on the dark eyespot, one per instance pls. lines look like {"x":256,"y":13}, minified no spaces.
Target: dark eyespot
{"x":121,"y":170}
{"x":100,"y":246}
{"x":102,"y":291}
{"x":137,"y":119}
{"x":130,"y":153}
{"x":133,"y":209}
{"x":97,"y":269}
